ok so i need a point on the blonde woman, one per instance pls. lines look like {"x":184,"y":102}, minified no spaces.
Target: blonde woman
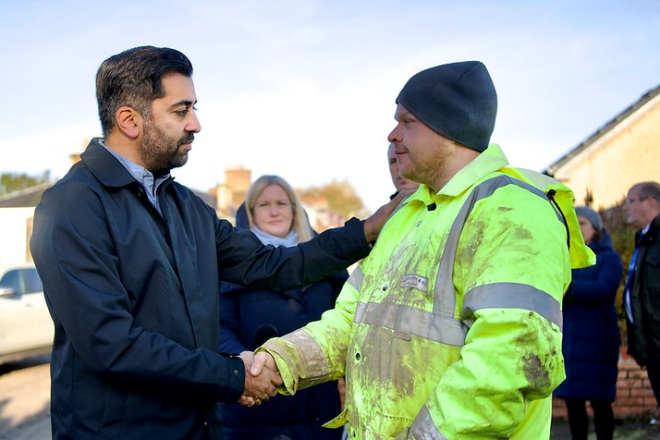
{"x":248,"y":317}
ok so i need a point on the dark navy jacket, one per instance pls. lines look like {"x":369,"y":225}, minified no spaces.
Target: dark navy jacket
{"x":134,"y":298}
{"x":248,"y":317}
{"x":591,"y":334}
{"x":644,"y":335}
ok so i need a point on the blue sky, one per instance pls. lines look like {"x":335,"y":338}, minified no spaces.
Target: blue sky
{"x":306,"y":89}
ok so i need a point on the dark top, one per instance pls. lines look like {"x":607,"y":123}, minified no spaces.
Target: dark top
{"x":248,"y":317}
{"x":134,"y":298}
{"x":591,"y":334}
{"x":644,"y":336}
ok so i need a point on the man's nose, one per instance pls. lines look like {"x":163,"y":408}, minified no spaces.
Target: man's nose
{"x":194,"y":125}
{"x":394,"y":136}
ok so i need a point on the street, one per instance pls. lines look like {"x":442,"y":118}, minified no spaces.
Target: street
{"x":25,"y":400}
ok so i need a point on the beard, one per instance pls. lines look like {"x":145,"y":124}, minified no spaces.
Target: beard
{"x":431,"y":169}
{"x":160,"y":152}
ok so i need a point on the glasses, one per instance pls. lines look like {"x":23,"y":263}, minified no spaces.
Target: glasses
{"x":632,"y":200}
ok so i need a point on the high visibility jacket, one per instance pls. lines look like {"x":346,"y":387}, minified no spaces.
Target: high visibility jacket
{"x":451,"y":328}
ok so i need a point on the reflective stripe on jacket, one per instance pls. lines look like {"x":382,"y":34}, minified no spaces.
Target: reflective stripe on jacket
{"x":451,"y":328}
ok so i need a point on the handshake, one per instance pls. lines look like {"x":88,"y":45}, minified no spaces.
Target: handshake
{"x":261,"y":378}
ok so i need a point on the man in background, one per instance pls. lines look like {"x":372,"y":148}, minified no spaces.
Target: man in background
{"x":641,"y":296}
{"x":399,"y":182}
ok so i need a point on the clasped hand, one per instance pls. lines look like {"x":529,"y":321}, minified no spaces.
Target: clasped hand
{"x":261,"y":378}
{"x":375,"y":222}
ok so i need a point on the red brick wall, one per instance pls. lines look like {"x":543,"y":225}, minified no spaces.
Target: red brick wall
{"x":634,"y":397}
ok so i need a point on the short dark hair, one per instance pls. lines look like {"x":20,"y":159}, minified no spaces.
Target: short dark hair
{"x":649,"y":190}
{"x":134,"y":78}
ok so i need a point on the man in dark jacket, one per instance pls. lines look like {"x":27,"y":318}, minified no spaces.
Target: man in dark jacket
{"x":130,"y":262}
{"x":641,"y":298}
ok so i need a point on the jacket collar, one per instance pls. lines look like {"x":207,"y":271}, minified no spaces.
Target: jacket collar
{"x":106,"y":168}
{"x":489,"y":161}
{"x":650,"y":235}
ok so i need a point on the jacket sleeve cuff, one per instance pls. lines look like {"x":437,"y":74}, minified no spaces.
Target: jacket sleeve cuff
{"x":356,"y":226}
{"x":235,"y":385}
{"x":288,"y":387}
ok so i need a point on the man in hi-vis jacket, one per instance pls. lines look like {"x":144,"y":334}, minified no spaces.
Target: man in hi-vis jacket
{"x":451,"y":328}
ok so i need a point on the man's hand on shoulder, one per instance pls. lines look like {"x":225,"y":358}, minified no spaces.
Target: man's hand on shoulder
{"x":374,"y":224}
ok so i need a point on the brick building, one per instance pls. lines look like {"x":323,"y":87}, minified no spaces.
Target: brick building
{"x":600,"y":171}
{"x":634,"y":397}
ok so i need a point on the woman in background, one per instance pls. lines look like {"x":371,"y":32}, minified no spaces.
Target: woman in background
{"x":248,"y":317}
{"x":591,"y":334}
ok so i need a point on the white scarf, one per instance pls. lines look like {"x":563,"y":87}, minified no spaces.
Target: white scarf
{"x":289,"y":241}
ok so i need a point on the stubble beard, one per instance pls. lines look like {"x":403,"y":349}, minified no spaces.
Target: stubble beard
{"x":430,"y":171}
{"x":160,"y":152}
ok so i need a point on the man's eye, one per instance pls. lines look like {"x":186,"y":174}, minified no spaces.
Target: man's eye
{"x":184,"y":111}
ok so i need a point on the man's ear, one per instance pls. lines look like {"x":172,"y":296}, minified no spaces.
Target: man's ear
{"x":129,"y":121}
{"x":654,"y":204}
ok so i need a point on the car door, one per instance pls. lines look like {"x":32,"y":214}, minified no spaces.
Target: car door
{"x":25,"y":323}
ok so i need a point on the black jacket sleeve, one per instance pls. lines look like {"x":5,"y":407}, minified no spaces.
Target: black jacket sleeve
{"x":244,"y":260}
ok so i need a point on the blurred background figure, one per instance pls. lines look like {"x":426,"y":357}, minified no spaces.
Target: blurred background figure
{"x":249,"y":317}
{"x":641,"y":295}
{"x":591,"y":334}
{"x":400,"y":183}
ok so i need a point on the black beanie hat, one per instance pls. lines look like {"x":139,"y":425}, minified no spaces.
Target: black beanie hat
{"x":456,"y":100}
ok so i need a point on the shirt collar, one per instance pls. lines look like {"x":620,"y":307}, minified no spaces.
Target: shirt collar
{"x":140,"y":173}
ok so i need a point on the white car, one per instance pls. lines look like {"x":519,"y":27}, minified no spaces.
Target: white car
{"x":26,"y":328}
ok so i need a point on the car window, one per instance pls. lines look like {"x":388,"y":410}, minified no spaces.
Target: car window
{"x":11,"y":280}
{"x":32,"y":281}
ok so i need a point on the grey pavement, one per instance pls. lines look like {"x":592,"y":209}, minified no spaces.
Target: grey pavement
{"x":25,"y":399}
{"x":39,"y":429}
{"x":629,"y":429}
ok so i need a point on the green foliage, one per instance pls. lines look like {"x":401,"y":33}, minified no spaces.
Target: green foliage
{"x":623,"y":240}
{"x":622,"y":233}
{"x":10,"y":182}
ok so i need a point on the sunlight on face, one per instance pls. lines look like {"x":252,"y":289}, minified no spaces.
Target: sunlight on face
{"x":168,"y":132}
{"x":423,"y":155}
{"x":273,"y":211}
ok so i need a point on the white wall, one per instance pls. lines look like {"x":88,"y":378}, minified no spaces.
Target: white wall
{"x":15,"y":232}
